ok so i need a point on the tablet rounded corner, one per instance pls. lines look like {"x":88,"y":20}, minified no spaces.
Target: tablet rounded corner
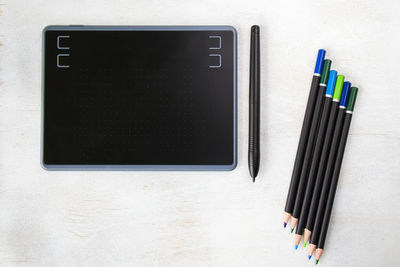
{"x":233,"y":30}
{"x":234,"y":165}
{"x":47,"y":28}
{"x":45,"y":166}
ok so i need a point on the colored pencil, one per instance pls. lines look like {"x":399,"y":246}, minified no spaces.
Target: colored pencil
{"x":326,"y":180}
{"x":337,"y":165}
{"x":317,"y":173}
{"x":320,"y":136}
{"x":303,"y":137}
{"x":318,"y":165}
{"x":310,"y":146}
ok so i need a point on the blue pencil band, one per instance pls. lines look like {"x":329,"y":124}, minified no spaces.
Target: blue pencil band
{"x":330,"y":88}
{"x":344,"y":98}
{"x":320,"y":62}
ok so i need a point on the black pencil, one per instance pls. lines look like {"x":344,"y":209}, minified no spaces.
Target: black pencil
{"x":335,"y":176}
{"x":320,"y":139}
{"x":310,"y":147}
{"x":303,"y":137}
{"x":254,"y":103}
{"x":327,"y":175}
{"x":318,"y":164}
{"x":330,"y":149}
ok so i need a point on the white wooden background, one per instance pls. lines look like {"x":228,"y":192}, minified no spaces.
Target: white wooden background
{"x":208,"y":218}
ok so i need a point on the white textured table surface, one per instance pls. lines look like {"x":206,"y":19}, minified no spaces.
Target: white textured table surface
{"x":208,"y":218}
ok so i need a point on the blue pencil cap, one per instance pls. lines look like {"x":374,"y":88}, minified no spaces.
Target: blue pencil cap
{"x":331,"y":83}
{"x":320,"y":62}
{"x":345,"y":94}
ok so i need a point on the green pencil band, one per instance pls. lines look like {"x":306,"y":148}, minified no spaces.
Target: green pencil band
{"x":352,"y":100}
{"x":338,"y":88}
{"x":325,"y":72}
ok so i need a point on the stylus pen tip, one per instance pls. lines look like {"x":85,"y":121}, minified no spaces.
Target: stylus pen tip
{"x":253,"y":174}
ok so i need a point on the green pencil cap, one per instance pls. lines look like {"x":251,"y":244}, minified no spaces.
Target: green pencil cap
{"x":352,"y":98}
{"x":338,"y":87}
{"x":325,"y":71}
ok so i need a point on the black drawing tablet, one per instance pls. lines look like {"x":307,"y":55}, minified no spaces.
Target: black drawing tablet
{"x":139,"y":98}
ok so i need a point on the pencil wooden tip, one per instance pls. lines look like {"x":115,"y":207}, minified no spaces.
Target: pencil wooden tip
{"x":286,"y":217}
{"x":307,"y":235}
{"x":293,"y":222}
{"x":311,"y":249}
{"x":297,"y":239}
{"x":318,"y":253}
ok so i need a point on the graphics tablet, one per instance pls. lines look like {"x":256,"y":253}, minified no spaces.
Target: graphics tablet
{"x":139,"y":98}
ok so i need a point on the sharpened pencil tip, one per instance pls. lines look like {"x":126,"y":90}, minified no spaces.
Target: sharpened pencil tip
{"x":316,"y":261}
{"x":309,"y":257}
{"x":296,"y":247}
{"x":284,"y":224}
{"x":292,"y":230}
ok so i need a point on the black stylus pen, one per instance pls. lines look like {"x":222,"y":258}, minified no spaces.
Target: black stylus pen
{"x":254,"y":103}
